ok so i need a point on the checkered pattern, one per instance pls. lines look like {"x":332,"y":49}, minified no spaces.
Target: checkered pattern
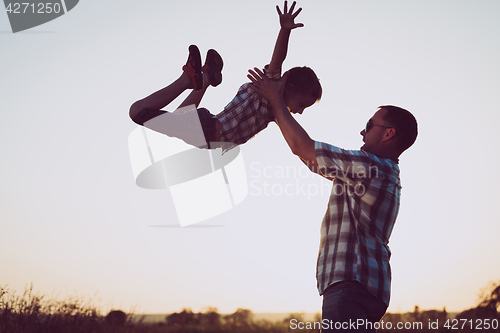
{"x":359,"y":219}
{"x":247,"y":114}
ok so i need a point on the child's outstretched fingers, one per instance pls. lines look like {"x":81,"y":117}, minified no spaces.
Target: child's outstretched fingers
{"x":287,"y":17}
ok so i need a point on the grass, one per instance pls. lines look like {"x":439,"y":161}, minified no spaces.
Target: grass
{"x":29,"y":313}
{"x":32,"y":313}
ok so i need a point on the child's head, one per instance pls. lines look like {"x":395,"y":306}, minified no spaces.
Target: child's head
{"x":302,"y":89}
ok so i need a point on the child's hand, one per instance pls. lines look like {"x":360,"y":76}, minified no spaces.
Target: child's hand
{"x":287,"y":18}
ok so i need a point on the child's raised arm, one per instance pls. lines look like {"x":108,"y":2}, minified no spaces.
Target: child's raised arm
{"x":287,"y":22}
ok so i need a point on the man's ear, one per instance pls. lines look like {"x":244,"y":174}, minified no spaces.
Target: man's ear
{"x":390,"y":133}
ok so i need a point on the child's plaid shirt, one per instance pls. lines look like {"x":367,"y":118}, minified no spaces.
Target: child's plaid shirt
{"x":246,"y":115}
{"x":361,"y":213}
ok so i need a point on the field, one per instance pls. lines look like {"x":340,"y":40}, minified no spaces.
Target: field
{"x":29,"y":312}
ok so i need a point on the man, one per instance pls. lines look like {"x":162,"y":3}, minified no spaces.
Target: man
{"x":353,"y":271}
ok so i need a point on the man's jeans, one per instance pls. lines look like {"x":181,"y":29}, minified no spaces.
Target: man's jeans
{"x":349,"y":306}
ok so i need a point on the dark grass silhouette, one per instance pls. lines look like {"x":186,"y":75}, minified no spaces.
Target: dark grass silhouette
{"x":32,"y":313}
{"x":482,"y":318}
{"x":29,"y":312}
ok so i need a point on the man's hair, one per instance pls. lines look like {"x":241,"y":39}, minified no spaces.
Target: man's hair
{"x":305,"y":81}
{"x":405,"y":124}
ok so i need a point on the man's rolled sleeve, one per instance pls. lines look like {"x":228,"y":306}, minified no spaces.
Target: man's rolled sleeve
{"x":335,"y":162}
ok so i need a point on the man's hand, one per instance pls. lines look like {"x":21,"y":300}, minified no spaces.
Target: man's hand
{"x":271,"y":90}
{"x":287,"y":18}
{"x":296,"y":137}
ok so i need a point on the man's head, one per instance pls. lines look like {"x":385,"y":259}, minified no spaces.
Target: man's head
{"x":390,"y":131}
{"x":302,"y":89}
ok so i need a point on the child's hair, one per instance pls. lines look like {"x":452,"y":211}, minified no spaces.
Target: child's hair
{"x":305,"y":81}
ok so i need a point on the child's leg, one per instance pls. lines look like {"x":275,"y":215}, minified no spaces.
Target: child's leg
{"x":163,"y":97}
{"x":190,"y":79}
{"x":212,"y":76}
{"x":195,"y":97}
{"x":184,"y":123}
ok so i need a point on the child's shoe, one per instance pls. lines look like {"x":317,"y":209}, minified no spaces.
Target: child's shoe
{"x":213,"y":67}
{"x":193,"y":67}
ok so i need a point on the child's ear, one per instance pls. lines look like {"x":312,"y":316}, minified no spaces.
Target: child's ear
{"x":289,"y":88}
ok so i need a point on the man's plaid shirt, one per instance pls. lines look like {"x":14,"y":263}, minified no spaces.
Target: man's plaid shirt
{"x":361,"y":213}
{"x":247,"y":114}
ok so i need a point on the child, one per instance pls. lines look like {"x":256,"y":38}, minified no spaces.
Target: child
{"x":245,"y":116}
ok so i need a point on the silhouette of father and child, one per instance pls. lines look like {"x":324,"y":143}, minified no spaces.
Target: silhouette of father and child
{"x":353,"y":271}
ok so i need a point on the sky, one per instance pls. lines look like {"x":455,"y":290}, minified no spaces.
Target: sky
{"x":73,"y":220}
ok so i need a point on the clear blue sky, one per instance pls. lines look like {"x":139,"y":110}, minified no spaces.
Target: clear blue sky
{"x":72,"y":218}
